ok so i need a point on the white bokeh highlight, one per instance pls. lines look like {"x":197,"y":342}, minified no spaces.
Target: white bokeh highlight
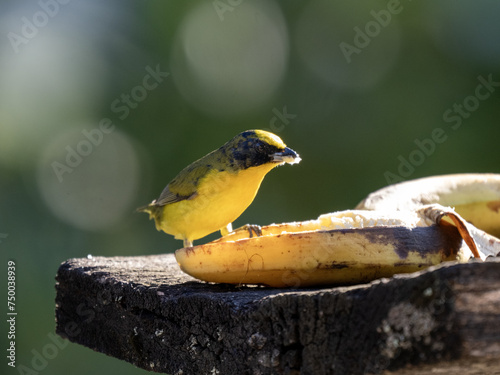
{"x":100,"y":189}
{"x":232,"y":66}
{"x":323,"y":25}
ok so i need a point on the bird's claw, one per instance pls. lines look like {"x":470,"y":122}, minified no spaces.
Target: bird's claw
{"x":253,"y":229}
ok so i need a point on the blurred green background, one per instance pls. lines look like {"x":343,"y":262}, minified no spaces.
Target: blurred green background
{"x":354,"y":88}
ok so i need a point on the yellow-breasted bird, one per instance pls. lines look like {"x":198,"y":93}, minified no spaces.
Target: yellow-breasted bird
{"x":209,"y":194}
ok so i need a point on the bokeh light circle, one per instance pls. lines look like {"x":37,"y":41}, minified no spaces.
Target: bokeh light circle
{"x":41,"y":87}
{"x":231,"y":63}
{"x":466,"y":31}
{"x":89,"y":178}
{"x":374,"y":35}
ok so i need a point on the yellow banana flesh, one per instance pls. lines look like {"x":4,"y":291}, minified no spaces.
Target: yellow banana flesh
{"x":357,"y":246}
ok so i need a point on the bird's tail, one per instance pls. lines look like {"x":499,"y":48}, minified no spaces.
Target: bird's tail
{"x":154,"y":211}
{"x":151,"y":209}
{"x":145,"y":208}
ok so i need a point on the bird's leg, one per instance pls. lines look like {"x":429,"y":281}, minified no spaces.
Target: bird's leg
{"x":188,"y":243}
{"x":251,"y":228}
{"x":226,"y":230}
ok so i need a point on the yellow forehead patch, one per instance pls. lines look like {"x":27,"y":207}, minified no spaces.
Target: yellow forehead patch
{"x":270,"y":138}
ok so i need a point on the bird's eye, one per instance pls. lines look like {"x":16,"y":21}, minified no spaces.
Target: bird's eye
{"x":259,"y":145}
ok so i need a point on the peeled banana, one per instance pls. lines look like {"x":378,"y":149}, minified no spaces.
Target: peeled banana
{"x":381,"y":237}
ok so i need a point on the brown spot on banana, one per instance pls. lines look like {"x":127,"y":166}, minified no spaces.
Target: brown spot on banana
{"x":494,"y":206}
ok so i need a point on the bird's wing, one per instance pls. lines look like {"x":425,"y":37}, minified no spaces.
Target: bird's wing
{"x":185,"y":185}
{"x":168,"y":197}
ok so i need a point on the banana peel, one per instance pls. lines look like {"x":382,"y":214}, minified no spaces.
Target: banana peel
{"x":475,"y":196}
{"x":383,"y":236}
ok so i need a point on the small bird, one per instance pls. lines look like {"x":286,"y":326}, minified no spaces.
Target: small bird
{"x":209,"y":194}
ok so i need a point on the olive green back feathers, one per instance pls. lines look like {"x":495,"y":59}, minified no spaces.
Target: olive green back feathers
{"x":248,"y":149}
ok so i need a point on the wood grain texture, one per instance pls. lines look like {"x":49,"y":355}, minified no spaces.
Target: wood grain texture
{"x":146,"y":311}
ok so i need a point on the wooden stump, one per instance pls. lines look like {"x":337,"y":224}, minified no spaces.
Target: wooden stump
{"x":146,"y":311}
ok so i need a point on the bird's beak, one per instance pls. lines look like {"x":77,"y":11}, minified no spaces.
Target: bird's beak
{"x":286,"y":156}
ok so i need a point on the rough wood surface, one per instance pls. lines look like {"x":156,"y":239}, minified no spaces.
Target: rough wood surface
{"x":146,"y":311}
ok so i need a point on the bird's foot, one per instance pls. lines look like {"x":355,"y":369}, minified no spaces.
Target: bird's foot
{"x":253,"y":229}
